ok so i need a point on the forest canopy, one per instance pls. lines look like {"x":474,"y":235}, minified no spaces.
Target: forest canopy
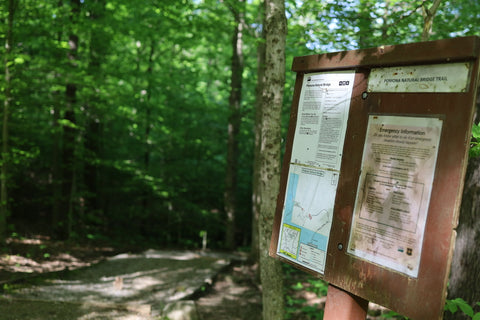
{"x":115,"y":112}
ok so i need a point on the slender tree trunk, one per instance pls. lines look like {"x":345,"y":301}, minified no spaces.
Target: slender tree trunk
{"x":6,"y":106}
{"x":94,"y":126}
{"x":254,"y":252}
{"x":428,"y":15}
{"x":68,"y":160}
{"x":69,"y":131}
{"x":57,"y":170}
{"x":148,"y":114}
{"x":385,"y":25}
{"x":148,"y":111}
{"x":365,"y":24}
{"x":234,"y":120}
{"x":272,"y":100}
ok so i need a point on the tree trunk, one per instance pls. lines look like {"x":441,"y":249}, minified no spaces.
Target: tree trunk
{"x":69,"y":132}
{"x":272,"y":100}
{"x":57,"y":171}
{"x":146,"y":202}
{"x":254,"y":252}
{"x":94,"y":127}
{"x":68,"y":161}
{"x":234,"y":120}
{"x":465,"y":270}
{"x":428,"y":15}
{"x":365,"y":24}
{"x":6,"y":106}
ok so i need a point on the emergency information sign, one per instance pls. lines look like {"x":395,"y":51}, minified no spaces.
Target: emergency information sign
{"x":393,"y":195}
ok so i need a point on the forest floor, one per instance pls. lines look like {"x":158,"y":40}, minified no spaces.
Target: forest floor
{"x":233,"y":294}
{"x":38,"y":262}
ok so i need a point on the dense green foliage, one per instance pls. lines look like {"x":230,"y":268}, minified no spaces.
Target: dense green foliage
{"x":137,"y":150}
{"x":118,"y":110}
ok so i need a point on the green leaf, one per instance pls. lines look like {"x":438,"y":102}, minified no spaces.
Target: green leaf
{"x":476,"y":131}
{"x":451,"y":306}
{"x":476,"y":316}
{"x":474,"y":150}
{"x":297,"y":286}
{"x":467,"y":309}
{"x":392,"y":315}
{"x":67,"y":123}
{"x":464,"y":306}
{"x":64,"y":45}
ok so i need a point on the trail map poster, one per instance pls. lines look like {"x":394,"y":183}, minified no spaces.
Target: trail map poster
{"x":393,"y":196}
{"x":315,"y":167}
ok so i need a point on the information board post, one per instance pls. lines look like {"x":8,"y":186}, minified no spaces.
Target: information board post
{"x":342,"y":305}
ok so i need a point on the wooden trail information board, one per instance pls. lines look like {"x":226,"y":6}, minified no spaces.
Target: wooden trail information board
{"x":374,"y":167}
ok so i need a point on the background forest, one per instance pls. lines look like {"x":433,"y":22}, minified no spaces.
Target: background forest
{"x":134,"y":121}
{"x":118,"y":111}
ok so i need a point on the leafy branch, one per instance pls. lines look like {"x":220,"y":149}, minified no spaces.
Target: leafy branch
{"x":475,"y":142}
{"x":454,"y":305}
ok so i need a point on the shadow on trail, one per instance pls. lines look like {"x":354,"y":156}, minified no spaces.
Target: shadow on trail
{"x":126,"y":286}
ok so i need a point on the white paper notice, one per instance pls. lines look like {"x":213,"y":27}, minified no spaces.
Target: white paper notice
{"x":322,"y":119}
{"x":315,"y":168}
{"x":393,"y":195}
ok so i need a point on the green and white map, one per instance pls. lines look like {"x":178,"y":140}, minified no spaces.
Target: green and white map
{"x":315,"y":168}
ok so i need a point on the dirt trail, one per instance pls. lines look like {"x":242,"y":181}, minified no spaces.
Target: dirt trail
{"x":41,"y":279}
{"x":149,"y":285}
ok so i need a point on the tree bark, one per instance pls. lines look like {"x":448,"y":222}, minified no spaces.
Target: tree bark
{"x":365,"y":24}
{"x":254,"y":252}
{"x":57,"y":170}
{"x":6,"y":109}
{"x":69,"y":132}
{"x":465,"y":268}
{"x":234,"y":120}
{"x":94,"y":125}
{"x":147,"y":196}
{"x":428,"y":15}
{"x":272,"y":100}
